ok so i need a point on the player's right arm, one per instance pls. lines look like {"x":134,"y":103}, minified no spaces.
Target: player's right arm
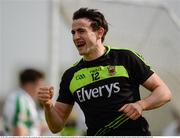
{"x":56,"y":115}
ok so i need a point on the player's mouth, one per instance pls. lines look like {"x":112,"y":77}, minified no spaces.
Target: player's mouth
{"x":80,"y":45}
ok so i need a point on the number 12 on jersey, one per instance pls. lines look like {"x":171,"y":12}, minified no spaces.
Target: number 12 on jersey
{"x":95,"y":76}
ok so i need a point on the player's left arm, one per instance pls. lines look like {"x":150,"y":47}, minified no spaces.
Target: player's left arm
{"x":160,"y":94}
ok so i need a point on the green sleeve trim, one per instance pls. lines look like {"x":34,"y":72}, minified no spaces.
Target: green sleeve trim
{"x":87,"y":76}
{"x":142,"y":59}
{"x":138,"y":55}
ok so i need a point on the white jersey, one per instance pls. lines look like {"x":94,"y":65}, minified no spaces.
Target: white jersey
{"x":20,"y":110}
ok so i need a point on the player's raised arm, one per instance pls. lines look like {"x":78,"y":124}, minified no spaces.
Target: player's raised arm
{"x":57,"y":114}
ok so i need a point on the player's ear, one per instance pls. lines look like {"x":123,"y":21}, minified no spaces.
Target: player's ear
{"x":100,"y":32}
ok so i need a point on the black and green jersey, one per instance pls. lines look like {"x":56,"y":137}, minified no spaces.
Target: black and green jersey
{"x":104,"y":85}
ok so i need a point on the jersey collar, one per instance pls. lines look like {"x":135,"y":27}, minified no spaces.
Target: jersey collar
{"x":108,"y":48}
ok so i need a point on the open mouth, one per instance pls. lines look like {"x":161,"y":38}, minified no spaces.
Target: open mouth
{"x":80,"y":45}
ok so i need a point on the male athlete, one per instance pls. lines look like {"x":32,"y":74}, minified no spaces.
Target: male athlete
{"x":20,"y":115}
{"x":105,"y":83}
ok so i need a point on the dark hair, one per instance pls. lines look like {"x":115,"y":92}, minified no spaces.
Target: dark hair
{"x":30,"y":75}
{"x":95,"y":16}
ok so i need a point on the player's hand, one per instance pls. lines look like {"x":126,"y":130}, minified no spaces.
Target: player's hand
{"x":45,"y":94}
{"x":132,"y":110}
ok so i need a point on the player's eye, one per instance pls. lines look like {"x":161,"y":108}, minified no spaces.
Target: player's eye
{"x":81,"y":31}
{"x":72,"y":32}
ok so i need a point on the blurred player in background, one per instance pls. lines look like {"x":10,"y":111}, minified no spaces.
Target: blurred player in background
{"x":20,"y":114}
{"x":105,"y":83}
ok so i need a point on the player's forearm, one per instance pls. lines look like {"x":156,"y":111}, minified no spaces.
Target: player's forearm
{"x":157,"y":98}
{"x":54,"y":121}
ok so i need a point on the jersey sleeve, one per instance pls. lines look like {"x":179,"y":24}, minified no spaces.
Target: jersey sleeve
{"x":140,"y":70}
{"x":65,"y":94}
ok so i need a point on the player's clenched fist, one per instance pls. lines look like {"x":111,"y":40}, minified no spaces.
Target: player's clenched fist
{"x":45,"y":95}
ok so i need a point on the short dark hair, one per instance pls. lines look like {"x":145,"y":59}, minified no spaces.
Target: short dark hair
{"x":30,"y":75}
{"x":97,"y":18}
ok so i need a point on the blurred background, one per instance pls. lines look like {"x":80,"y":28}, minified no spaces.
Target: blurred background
{"x":36,"y":33}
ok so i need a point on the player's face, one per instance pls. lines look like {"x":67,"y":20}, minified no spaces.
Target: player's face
{"x":84,"y":37}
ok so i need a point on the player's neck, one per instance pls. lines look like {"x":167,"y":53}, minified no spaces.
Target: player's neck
{"x":96,"y":53}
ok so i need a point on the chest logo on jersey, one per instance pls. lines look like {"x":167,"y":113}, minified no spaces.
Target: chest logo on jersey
{"x":111,"y":70}
{"x":104,"y":90}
